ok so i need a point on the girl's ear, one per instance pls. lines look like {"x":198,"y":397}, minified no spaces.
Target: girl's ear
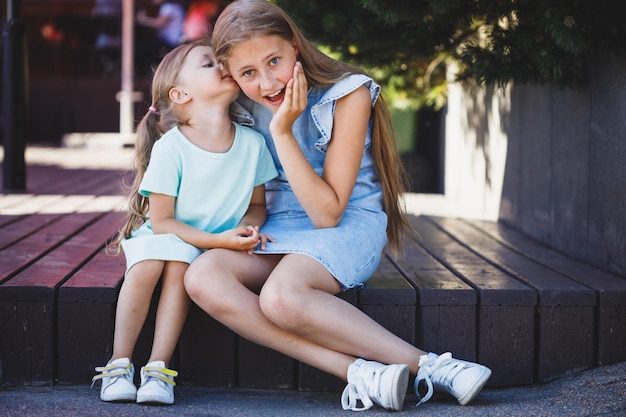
{"x":179,"y":96}
{"x":295,"y":47}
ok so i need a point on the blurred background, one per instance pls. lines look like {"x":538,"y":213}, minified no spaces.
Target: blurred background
{"x":72,"y":57}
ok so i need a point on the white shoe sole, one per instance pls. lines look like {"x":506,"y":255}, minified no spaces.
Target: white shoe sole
{"x":472,"y":393}
{"x":118,"y":398}
{"x":399,"y":389}
{"x":154,"y":399}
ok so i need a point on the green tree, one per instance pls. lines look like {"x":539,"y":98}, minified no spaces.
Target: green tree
{"x":406,"y":44}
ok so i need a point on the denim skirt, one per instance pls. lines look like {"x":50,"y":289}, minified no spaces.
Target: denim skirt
{"x":351,"y":251}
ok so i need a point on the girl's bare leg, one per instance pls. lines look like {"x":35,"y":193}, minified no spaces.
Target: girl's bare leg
{"x":299,"y":298}
{"x":133,"y":304}
{"x":219,"y":281}
{"x":171,"y":312}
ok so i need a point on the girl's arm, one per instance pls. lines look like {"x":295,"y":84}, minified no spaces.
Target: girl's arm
{"x":324,"y":198}
{"x":163,"y":221}
{"x":257,"y":214}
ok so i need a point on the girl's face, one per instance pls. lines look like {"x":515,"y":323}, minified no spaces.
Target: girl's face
{"x":262,"y":66}
{"x":203,"y":77}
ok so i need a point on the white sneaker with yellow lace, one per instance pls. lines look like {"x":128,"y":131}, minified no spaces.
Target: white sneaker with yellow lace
{"x":157,"y":384}
{"x":117,"y":381}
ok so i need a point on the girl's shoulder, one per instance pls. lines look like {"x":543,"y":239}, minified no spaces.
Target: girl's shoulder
{"x":343,"y":87}
{"x":323,"y":109}
{"x":170,"y":135}
{"x":169,"y":141}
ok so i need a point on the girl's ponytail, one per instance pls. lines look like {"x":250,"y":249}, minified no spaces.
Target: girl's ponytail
{"x":148,"y":132}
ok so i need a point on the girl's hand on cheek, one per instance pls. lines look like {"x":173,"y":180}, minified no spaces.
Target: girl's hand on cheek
{"x":300,"y":88}
{"x":294,"y":103}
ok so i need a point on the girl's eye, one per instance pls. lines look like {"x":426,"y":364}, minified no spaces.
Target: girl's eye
{"x":247,"y":73}
{"x":209,"y":65}
{"x":274,"y":61}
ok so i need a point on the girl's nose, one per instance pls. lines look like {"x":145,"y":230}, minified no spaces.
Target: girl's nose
{"x":267,"y":80}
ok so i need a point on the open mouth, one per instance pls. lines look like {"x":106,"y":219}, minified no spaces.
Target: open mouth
{"x":275,"y":96}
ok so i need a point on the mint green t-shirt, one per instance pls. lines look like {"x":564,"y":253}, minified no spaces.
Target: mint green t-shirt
{"x":212,"y":190}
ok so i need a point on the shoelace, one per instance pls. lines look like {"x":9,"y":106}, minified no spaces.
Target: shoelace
{"x":365,"y":377}
{"x":112,"y":371}
{"x":160,"y":374}
{"x":440,"y":372}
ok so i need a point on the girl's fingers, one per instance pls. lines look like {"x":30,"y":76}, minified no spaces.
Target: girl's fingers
{"x":299,"y":87}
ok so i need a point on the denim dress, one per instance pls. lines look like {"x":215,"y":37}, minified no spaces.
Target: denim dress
{"x":352,"y":250}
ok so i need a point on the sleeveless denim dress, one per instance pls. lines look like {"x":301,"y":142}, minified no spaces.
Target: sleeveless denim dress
{"x":352,"y":250}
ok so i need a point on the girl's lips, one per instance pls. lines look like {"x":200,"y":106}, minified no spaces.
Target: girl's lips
{"x":275,"y":98}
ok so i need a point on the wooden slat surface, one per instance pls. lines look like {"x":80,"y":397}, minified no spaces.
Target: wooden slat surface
{"x":505,"y":322}
{"x":68,"y":212}
{"x":478,"y":289}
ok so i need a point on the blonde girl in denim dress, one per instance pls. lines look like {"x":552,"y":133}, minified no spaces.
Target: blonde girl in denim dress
{"x":333,"y":209}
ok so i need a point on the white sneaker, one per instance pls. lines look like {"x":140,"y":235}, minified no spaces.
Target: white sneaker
{"x":463,"y":380}
{"x":373,"y":382}
{"x":117,"y":381}
{"x":157,"y":384}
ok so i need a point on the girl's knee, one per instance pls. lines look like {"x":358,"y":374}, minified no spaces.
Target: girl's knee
{"x":282,"y":306}
{"x":196,"y":278}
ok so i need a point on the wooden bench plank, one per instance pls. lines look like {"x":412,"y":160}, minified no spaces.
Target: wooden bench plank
{"x":33,"y":204}
{"x":23,"y":226}
{"x":26,"y":251}
{"x":40,"y":177}
{"x":8,"y":219}
{"x":506,"y":309}
{"x":260,"y":367}
{"x":610,"y":288}
{"x":391,"y":300}
{"x":9,"y":200}
{"x":565,"y":311}
{"x":26,"y":343}
{"x":446,"y":315}
{"x":207,"y":352}
{"x":86,"y":314}
{"x":104,"y":203}
{"x":105,"y":184}
{"x":74,"y":181}
{"x":29,"y":329}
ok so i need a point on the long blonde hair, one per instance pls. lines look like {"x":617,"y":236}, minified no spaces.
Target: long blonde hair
{"x":161,"y":117}
{"x":245,"y":19}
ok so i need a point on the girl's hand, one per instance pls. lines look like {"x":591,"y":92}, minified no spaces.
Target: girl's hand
{"x":263,"y":238}
{"x":294,"y":103}
{"x":240,"y":238}
{"x":244,"y":239}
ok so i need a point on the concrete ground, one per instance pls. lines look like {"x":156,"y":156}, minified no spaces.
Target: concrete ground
{"x":596,"y":392}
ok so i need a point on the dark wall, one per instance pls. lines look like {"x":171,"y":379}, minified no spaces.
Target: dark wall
{"x":565,"y":175}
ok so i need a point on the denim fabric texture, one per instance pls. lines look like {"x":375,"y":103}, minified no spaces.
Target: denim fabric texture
{"x":352,"y":250}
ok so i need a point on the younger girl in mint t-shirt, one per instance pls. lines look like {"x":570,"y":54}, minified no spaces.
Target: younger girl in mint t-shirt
{"x":198,"y":186}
